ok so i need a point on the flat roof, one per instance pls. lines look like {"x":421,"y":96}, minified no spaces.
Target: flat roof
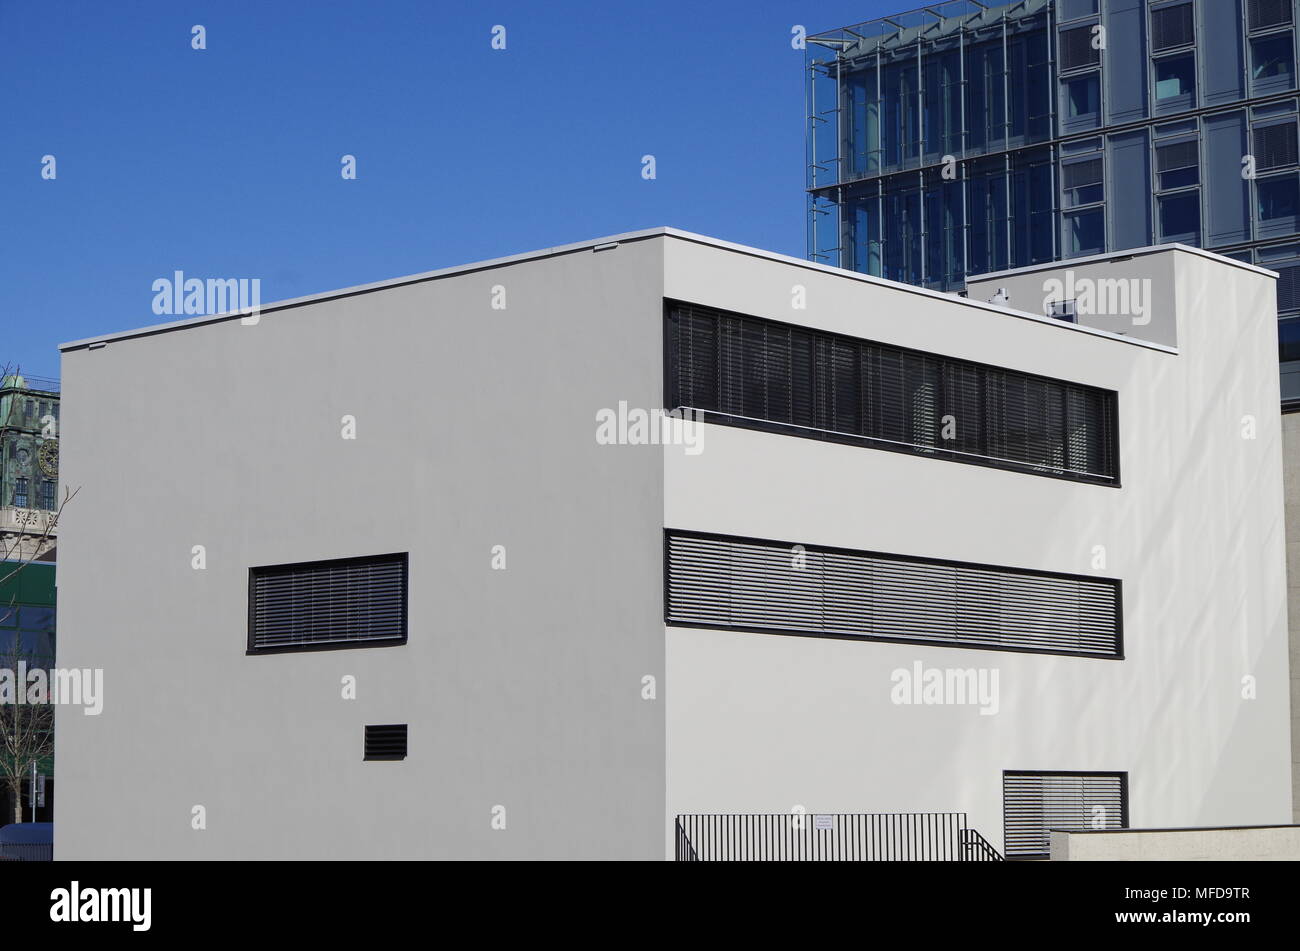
{"x":648,"y":233}
{"x":1067,"y":263}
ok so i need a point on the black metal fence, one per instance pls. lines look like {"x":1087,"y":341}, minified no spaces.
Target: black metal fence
{"x":831,"y":837}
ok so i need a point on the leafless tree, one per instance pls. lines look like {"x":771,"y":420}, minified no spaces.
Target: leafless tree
{"x":26,"y":729}
{"x":26,"y":721}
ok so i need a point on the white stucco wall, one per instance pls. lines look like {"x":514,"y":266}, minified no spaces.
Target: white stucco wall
{"x":524,"y":687}
{"x":762,"y":723}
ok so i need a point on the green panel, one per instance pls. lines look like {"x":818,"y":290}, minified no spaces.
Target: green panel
{"x":33,"y":585}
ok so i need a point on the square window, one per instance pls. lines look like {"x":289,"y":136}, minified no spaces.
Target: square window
{"x":1082,"y":96}
{"x":1277,"y":197}
{"x":1263,"y":14}
{"x":1288,"y":339}
{"x":1275,"y":146}
{"x":1288,"y":292}
{"x":1035,"y":803}
{"x":1272,"y":59}
{"x":1079,"y":46}
{"x":1172,"y":26}
{"x":1175,"y":76}
{"x":1180,"y":216}
{"x":1081,"y":183}
{"x":1086,"y":232}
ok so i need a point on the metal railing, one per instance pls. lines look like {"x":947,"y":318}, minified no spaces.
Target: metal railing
{"x":39,"y":384}
{"x":832,"y":837}
{"x":685,"y":852}
{"x":976,"y":848}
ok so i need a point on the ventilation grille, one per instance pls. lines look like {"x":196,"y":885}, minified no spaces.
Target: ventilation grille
{"x":717,"y":581}
{"x":386,"y":742}
{"x":1034,"y":803}
{"x":1076,"y":49}
{"x":751,"y":372}
{"x":1171,"y":27}
{"x":1275,"y":146}
{"x":1265,"y":13}
{"x":349,"y":601}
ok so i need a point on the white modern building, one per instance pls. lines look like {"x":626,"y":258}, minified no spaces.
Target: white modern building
{"x":417,"y":573}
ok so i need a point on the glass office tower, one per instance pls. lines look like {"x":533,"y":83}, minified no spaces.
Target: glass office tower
{"x":968,"y":137}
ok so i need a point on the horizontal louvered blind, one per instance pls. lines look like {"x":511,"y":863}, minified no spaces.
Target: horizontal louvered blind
{"x":1035,"y":803}
{"x":1076,"y":48}
{"x":328,"y":603}
{"x":1266,"y":13}
{"x":750,"y":372}
{"x":1275,"y":146}
{"x":1288,"y":287}
{"x":1172,"y":26}
{"x":1081,"y":174}
{"x":1180,"y":155}
{"x":386,"y":741}
{"x":752,"y":584}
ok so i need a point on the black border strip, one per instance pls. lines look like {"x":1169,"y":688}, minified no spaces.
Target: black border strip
{"x":403,"y":557}
{"x":1122,"y":774}
{"x":670,"y":398}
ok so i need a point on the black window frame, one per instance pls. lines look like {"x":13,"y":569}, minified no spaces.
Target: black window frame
{"x":1121,"y":775}
{"x":1110,"y":398}
{"x":254,"y":572}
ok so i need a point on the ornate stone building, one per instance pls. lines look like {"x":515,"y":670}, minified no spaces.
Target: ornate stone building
{"x":29,"y":467}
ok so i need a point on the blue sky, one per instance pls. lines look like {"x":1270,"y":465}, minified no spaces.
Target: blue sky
{"x":226,"y":162}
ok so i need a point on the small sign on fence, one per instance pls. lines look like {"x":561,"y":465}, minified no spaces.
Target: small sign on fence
{"x":823,"y":823}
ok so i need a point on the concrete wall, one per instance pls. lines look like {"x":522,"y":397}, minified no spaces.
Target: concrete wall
{"x":475,"y":428}
{"x":762,"y":723}
{"x":1276,"y":843}
{"x":1117,"y":293}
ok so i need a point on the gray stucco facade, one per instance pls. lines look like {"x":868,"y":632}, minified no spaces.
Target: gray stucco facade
{"x":525,"y":688}
{"x":474,"y":427}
